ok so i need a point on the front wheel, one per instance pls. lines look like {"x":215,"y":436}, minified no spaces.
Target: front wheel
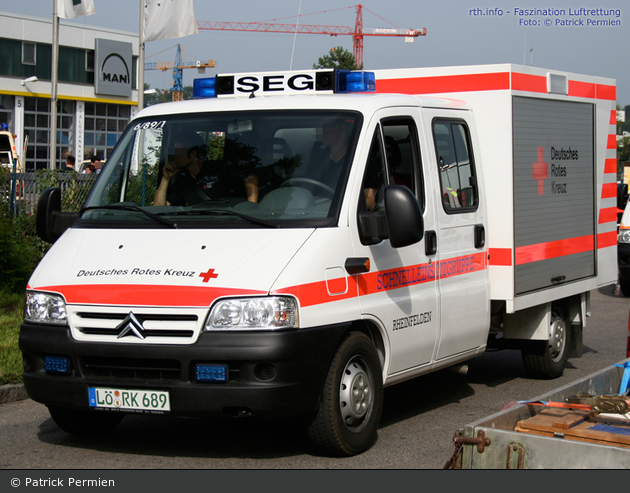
{"x":547,"y":359}
{"x":352,"y":399}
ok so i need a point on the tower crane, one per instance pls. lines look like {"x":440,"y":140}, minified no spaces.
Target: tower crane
{"x":357,"y":33}
{"x":178,"y":67}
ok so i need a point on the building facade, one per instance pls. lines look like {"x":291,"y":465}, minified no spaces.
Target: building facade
{"x":97,"y":90}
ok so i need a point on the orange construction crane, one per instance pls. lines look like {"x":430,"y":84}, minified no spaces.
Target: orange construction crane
{"x":357,"y":33}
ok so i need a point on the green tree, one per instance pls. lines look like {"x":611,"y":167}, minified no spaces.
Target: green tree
{"x":338,"y":58}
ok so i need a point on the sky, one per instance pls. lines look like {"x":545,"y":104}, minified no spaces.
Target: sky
{"x":469,"y":32}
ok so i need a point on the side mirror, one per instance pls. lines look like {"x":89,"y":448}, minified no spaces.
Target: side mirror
{"x":50,"y":222}
{"x":400,"y":219}
{"x":405,"y":224}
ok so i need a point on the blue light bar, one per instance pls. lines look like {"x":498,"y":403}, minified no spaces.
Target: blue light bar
{"x":355,"y":81}
{"x":58,"y":365}
{"x":207,"y":372}
{"x":205,"y":88}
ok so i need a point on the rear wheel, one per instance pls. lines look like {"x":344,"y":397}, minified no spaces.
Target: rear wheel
{"x":84,"y":422}
{"x":547,"y":359}
{"x":352,"y":399}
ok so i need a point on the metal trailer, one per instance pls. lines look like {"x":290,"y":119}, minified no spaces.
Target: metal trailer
{"x":493,"y":443}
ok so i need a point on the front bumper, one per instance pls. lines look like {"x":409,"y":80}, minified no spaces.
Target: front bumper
{"x":271,"y":374}
{"x":623,"y":260}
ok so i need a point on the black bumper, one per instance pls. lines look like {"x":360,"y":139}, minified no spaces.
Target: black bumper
{"x":623,"y":260}
{"x":271,"y":374}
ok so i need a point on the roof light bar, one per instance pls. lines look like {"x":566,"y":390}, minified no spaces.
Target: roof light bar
{"x":347,"y":81}
{"x":205,"y":88}
{"x":281,"y":83}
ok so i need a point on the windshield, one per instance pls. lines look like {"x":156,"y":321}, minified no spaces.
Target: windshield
{"x":240,"y":169}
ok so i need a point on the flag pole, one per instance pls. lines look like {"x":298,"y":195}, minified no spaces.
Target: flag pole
{"x":53,"y":93}
{"x":141,"y":59}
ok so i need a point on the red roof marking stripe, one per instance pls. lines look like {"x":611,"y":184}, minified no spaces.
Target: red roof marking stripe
{"x":606,"y":92}
{"x":490,"y":82}
{"x":445,"y":83}
{"x":529,"y":83}
{"x":144,"y":294}
{"x":554,"y":249}
{"x":581,"y":89}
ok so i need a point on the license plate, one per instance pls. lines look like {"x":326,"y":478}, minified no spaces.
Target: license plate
{"x":131,"y":400}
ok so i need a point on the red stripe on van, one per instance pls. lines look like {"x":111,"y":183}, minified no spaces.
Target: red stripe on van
{"x":608,"y":215}
{"x":605,"y":240}
{"x":609,"y":190}
{"x":144,"y":294}
{"x":612,"y":142}
{"x":445,"y":83}
{"x":554,"y":249}
{"x":529,"y":83}
{"x":606,"y":92}
{"x":500,"y":256}
{"x":582,"y":89}
{"x":613,"y":117}
{"x":316,"y":293}
{"x":610,"y":166}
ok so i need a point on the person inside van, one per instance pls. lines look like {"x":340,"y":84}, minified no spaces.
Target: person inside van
{"x":189,"y":178}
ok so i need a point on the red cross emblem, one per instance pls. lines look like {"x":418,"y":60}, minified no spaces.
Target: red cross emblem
{"x":540,"y":171}
{"x":208,"y":275}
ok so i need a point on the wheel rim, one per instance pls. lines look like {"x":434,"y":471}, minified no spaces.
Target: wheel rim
{"x":557,"y":341}
{"x":356,"y":394}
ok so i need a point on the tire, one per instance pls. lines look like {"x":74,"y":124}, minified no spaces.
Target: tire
{"x":83,"y":422}
{"x":625,"y":287}
{"x":547,"y":359}
{"x":350,"y":407}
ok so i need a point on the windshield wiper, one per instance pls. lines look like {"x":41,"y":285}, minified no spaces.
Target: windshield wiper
{"x":219,"y":212}
{"x":133,"y":208}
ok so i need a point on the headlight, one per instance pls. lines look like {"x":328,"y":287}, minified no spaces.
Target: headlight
{"x":624,"y":236}
{"x":45,"y":308}
{"x":253,"y":314}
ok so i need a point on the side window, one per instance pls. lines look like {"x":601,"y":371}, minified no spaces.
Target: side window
{"x":375,"y":172}
{"x":456,"y":167}
{"x":403,"y":155}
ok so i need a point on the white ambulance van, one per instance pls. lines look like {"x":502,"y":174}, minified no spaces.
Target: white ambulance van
{"x":289,"y":244}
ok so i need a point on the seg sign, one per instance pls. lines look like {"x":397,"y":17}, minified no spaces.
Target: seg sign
{"x":113,"y":68}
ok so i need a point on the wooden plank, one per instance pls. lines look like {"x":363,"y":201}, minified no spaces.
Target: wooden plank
{"x":577,"y":425}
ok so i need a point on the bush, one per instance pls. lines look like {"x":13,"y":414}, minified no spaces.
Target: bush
{"x":11,"y":314}
{"x":20,"y":248}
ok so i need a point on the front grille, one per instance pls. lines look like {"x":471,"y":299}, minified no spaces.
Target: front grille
{"x":136,"y":325}
{"x":145,"y":333}
{"x":132,"y":369}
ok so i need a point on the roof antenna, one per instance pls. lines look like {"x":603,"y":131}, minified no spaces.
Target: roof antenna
{"x":252,"y":95}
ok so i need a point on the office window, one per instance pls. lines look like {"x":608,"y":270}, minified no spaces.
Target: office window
{"x":29,"y":53}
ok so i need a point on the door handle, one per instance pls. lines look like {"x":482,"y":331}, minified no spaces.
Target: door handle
{"x":480,"y":236}
{"x":430,"y":243}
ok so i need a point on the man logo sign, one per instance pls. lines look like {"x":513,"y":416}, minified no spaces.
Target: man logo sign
{"x":114,"y":69}
{"x":114,"y":60}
